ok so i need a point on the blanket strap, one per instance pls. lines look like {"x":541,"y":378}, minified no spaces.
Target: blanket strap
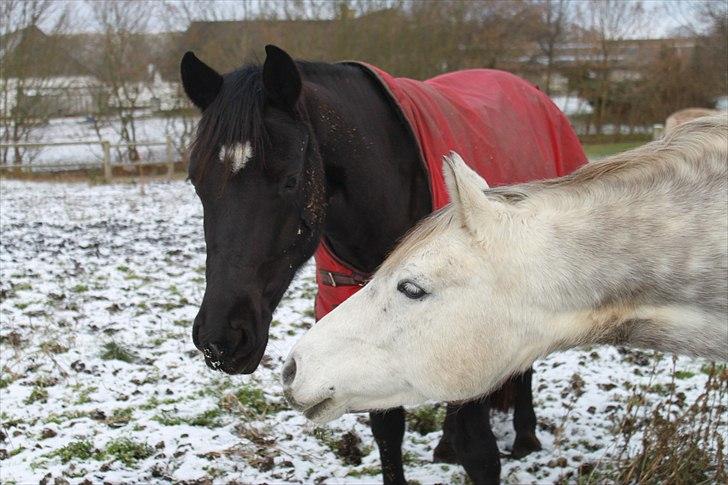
{"x":331,"y":278}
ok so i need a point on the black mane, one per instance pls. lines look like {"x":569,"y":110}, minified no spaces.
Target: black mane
{"x":236,"y":115}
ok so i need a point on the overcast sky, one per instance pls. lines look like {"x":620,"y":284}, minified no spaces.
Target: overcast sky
{"x":664,"y":19}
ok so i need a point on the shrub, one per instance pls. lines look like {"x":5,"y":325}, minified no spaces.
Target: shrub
{"x":680,"y":442}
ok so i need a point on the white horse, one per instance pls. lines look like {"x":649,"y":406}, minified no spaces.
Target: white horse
{"x":631,"y":251}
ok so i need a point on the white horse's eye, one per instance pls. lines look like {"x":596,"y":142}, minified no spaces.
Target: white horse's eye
{"x":411,"y":290}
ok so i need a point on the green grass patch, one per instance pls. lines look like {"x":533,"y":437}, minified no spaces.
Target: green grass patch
{"x":207,"y":419}
{"x":84,"y":396}
{"x":114,"y":351}
{"x":684,"y":374}
{"x":166,"y":418}
{"x":154,"y":403}
{"x":80,"y":288}
{"x":128,"y":451}
{"x":5,"y":382}
{"x":252,"y":398}
{"x":596,"y":151}
{"x":426,"y":419}
{"x":120,"y":417}
{"x":82,"y":450}
{"x":63,"y":417}
{"x":37,"y":394}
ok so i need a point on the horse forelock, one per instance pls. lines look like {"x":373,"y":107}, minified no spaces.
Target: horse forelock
{"x":234,"y":118}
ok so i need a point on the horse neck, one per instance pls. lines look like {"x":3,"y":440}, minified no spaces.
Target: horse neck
{"x":608,"y":266}
{"x":376,"y":185}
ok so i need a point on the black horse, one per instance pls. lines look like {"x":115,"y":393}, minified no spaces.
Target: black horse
{"x":286,"y":154}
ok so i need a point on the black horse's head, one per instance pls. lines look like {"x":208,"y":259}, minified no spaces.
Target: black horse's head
{"x":256,"y":168}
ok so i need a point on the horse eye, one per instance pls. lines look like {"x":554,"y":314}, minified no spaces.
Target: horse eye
{"x":411,"y":290}
{"x":291,"y":183}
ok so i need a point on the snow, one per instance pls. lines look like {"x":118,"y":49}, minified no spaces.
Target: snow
{"x":83,"y":266}
{"x":81,"y":130}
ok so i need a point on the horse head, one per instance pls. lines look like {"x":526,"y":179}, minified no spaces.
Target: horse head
{"x":255,"y":167}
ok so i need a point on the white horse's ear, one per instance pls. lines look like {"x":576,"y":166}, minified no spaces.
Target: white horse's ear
{"x":466,"y":188}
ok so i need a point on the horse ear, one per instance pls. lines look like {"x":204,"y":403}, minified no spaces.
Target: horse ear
{"x":201,"y":83}
{"x":281,"y":78}
{"x":466,"y":188}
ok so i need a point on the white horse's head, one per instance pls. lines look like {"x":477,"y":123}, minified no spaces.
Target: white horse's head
{"x":433,"y":323}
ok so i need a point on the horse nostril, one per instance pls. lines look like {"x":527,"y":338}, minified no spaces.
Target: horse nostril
{"x":289,"y":372}
{"x":214,"y":352}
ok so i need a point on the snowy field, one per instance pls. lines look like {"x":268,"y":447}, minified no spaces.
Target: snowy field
{"x":101,"y":383}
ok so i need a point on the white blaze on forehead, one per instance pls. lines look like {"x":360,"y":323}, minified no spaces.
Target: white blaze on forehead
{"x":238,"y":153}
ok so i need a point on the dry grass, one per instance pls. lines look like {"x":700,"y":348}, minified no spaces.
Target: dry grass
{"x":680,"y":442}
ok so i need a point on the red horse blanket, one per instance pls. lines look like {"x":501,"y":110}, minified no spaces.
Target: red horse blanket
{"x":504,"y":127}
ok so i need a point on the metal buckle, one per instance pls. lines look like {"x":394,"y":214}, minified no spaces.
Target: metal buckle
{"x":331,"y":278}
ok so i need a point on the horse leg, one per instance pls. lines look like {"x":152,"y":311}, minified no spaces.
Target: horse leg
{"x":524,"y":417}
{"x":468,"y":429}
{"x":388,"y":431}
{"x":443,"y":452}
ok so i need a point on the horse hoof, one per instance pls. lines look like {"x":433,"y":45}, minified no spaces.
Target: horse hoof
{"x":444,"y":453}
{"x":525,"y":444}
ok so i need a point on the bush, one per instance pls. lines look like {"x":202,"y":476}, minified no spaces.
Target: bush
{"x":680,"y":443}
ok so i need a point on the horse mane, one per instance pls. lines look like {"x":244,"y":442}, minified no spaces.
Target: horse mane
{"x":689,"y":142}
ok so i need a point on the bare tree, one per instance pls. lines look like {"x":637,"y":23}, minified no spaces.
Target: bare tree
{"x":551,"y":32}
{"x":29,"y":62}
{"x":606,"y":24}
{"x":123,"y":63}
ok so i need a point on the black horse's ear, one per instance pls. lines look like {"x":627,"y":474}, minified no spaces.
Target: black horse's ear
{"x":281,"y":78}
{"x":202,"y":84}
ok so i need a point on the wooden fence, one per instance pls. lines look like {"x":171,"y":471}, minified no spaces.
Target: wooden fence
{"x":106,"y":162}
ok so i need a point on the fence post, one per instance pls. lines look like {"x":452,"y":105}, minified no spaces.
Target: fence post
{"x":106,"y":147}
{"x":170,"y":157}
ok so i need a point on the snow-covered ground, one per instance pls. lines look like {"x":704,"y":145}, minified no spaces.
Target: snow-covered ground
{"x":100,"y":380}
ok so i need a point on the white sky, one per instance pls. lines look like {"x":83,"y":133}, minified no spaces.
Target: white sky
{"x":665,"y":17}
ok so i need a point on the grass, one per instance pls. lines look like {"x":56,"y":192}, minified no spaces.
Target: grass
{"x":63,"y":417}
{"x":251,"y":398}
{"x":5,"y":382}
{"x":680,"y":442}
{"x":124,"y":450}
{"x":128,"y":451}
{"x":114,"y":351}
{"x":596,"y":151}
{"x":84,"y":395}
{"x":120,"y":417}
{"x":37,"y":394}
{"x":347,"y":446}
{"x":81,"y":450}
{"x":426,"y":419}
{"x":52,"y":347}
{"x":206,"y":419}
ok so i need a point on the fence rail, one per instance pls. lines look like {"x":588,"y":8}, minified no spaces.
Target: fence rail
{"x":106,"y":163}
